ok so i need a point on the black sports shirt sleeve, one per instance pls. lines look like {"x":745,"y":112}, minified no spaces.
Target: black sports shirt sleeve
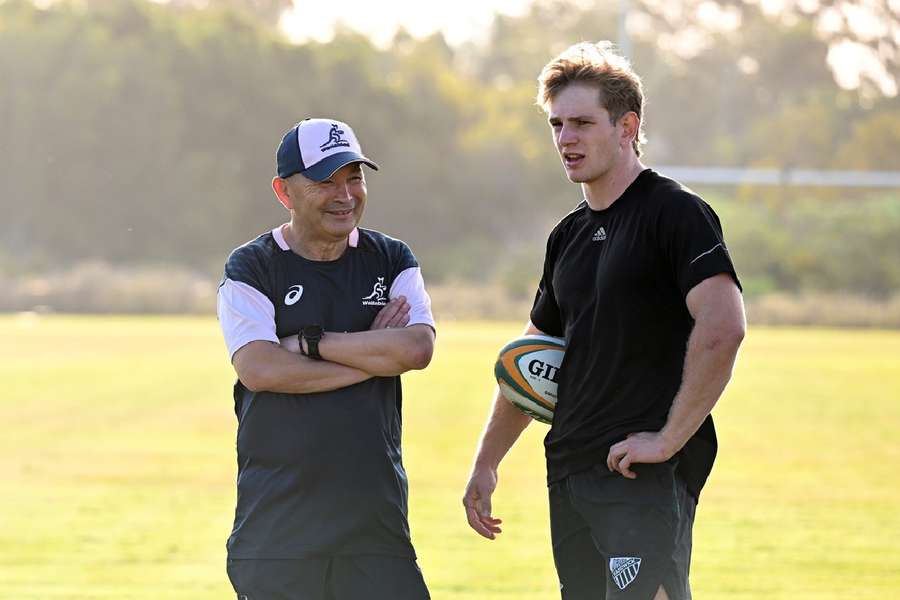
{"x":692,"y":241}
{"x":545,"y":313}
{"x":244,"y":306}
{"x":404,"y":273}
{"x":402,"y":257}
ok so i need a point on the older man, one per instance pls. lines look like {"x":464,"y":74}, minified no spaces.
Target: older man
{"x":320,"y":318}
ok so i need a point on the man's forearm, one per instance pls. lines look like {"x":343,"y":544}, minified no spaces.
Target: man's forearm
{"x":381,"y":352}
{"x":505,"y":424}
{"x":264,"y":366}
{"x":708,"y":365}
{"x":719,"y":325}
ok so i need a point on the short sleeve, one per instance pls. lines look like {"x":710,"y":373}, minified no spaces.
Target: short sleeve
{"x":402,"y":258}
{"x":244,"y":309}
{"x":545,"y":313}
{"x":411,"y":284}
{"x":693,"y":243}
{"x":408,"y":281}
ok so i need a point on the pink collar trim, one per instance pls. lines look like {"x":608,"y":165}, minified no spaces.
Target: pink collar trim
{"x":278,"y":234}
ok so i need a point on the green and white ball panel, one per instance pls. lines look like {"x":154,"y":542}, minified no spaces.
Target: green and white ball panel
{"x":527,"y":372}
{"x":525,"y":404}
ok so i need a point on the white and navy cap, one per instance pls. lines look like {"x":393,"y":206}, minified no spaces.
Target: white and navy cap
{"x":316,"y":148}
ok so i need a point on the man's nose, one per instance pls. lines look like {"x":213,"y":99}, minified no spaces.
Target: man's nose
{"x":566,"y":135}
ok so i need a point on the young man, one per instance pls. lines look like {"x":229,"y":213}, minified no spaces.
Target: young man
{"x":320,"y":318}
{"x":638,"y":281}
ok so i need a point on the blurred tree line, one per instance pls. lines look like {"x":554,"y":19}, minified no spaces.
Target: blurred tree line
{"x":144,"y":134}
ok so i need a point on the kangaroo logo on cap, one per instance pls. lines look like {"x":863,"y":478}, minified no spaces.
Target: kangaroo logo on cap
{"x":334,"y":139}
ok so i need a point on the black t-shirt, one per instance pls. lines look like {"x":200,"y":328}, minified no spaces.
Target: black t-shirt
{"x":319,"y":473}
{"x":614,"y":286}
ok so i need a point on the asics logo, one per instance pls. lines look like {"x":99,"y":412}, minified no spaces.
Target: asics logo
{"x":293,"y":295}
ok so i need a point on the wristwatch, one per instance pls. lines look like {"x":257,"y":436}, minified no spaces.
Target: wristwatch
{"x":312,"y":334}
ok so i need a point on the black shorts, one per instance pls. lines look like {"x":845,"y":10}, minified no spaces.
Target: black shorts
{"x":616,"y":538}
{"x":328,"y":578}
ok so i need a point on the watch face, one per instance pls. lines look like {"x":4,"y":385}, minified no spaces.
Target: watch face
{"x":312,"y":331}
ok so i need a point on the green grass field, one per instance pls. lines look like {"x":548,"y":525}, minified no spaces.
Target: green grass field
{"x":117,"y":466}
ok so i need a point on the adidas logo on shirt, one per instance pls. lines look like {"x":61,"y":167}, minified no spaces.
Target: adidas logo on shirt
{"x":599,"y":235}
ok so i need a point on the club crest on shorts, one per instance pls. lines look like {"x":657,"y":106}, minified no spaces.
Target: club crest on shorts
{"x":624,"y":569}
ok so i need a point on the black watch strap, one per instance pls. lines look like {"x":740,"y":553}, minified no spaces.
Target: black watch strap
{"x":312,"y":334}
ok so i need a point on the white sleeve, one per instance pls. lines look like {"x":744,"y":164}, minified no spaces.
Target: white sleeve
{"x":245,"y":315}
{"x":409,"y":283}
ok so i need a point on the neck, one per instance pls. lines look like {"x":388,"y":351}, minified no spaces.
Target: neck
{"x":310,"y":247}
{"x":606,"y":189}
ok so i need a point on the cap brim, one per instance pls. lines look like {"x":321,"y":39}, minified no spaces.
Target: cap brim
{"x":325,"y":168}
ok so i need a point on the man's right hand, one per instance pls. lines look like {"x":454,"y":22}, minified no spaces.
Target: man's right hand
{"x":477,"y":502}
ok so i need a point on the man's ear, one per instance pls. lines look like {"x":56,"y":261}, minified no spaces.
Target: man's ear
{"x":631,"y":124}
{"x":279,"y":186}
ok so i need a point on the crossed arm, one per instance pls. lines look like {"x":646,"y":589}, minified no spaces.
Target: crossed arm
{"x":388,"y":348}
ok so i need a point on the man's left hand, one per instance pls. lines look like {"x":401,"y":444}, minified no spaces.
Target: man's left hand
{"x":394,"y":315}
{"x":643,"y":447}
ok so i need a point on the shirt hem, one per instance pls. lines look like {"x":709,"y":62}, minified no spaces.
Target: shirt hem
{"x":317,"y":554}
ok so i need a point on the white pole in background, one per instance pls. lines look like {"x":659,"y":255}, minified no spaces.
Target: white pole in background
{"x":624,"y":40}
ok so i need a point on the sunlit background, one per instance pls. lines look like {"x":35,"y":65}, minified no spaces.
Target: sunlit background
{"x":137,"y":143}
{"x":851,"y":27}
{"x":138,"y":140}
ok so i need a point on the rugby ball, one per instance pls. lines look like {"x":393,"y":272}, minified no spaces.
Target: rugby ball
{"x":527,"y":371}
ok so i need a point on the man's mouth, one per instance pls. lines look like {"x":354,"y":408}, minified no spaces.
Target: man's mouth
{"x":572,"y":159}
{"x":340,"y":212}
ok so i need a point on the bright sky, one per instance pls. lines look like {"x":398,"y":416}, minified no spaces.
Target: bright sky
{"x":458,"y":19}
{"x":461,"y":20}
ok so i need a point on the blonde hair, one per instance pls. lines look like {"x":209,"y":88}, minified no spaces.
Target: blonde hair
{"x":599,"y":65}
